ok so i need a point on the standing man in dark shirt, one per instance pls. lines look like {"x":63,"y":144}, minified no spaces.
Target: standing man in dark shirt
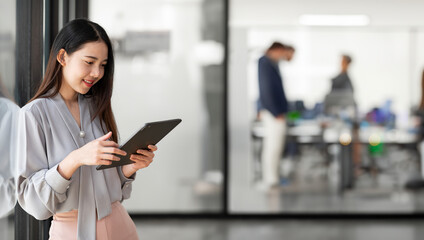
{"x":342,"y":81}
{"x":274,"y":107}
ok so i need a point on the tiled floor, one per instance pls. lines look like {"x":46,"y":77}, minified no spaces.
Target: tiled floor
{"x":314,"y":183}
{"x":280,"y":229}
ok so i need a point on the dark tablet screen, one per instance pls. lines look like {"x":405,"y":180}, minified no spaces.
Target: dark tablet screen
{"x":150,"y":134}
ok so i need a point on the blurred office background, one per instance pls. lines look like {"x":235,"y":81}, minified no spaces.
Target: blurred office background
{"x":197,"y":60}
{"x":382,"y":130}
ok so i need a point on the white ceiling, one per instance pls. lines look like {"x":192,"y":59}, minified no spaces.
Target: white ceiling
{"x":403,"y":13}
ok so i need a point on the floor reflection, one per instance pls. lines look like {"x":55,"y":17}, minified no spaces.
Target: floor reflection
{"x":279,"y":229}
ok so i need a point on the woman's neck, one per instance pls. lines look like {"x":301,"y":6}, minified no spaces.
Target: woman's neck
{"x":68,"y":94}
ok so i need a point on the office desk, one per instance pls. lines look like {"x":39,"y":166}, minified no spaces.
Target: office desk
{"x":313,"y":132}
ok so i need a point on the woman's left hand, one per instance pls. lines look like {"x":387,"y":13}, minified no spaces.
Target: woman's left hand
{"x":142,"y":159}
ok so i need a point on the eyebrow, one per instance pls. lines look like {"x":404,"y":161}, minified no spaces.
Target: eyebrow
{"x":95,"y":58}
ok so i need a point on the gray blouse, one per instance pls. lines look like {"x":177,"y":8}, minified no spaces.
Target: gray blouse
{"x":47,"y":133}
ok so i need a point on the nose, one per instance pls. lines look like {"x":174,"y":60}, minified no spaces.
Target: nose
{"x":95,"y":72}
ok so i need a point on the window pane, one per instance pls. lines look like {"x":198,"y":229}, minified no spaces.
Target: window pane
{"x":8,"y":110}
{"x":356,"y":152}
{"x":169,"y":64}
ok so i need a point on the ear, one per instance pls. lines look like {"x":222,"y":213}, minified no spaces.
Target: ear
{"x":61,"y":57}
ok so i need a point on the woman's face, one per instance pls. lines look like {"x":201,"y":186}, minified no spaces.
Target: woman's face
{"x":84,"y":67}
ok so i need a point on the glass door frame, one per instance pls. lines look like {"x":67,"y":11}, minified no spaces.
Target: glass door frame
{"x":37,"y":24}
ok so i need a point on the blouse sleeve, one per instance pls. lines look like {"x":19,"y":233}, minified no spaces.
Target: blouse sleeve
{"x":126,"y":183}
{"x":39,"y":189}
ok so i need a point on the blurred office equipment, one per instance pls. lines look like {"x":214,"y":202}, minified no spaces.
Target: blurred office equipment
{"x":340,"y":103}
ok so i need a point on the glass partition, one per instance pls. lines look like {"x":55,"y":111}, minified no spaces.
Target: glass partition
{"x":8,"y":110}
{"x":343,"y":152}
{"x":169,"y":64}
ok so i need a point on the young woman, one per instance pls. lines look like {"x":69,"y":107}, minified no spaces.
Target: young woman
{"x":68,"y":129}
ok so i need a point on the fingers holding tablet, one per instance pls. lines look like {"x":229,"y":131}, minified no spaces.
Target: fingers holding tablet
{"x":143,"y":158}
{"x":152,"y":148}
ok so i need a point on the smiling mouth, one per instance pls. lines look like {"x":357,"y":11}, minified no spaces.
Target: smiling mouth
{"x":88,"y":83}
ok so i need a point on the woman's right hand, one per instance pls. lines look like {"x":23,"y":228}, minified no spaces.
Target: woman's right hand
{"x":98,"y":152}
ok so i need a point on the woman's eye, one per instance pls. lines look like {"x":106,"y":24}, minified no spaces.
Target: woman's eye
{"x":103,"y":65}
{"x":89,"y":63}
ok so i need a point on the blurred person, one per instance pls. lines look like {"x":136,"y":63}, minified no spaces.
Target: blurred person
{"x":418,"y":182}
{"x":290,"y":52}
{"x":288,"y":57}
{"x":342,"y":81}
{"x":421,"y":106}
{"x":419,"y":111}
{"x":274,"y":106}
{"x":65,"y":131}
{"x":341,"y":102}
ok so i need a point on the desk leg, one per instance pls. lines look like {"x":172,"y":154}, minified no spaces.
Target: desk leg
{"x":346,"y":165}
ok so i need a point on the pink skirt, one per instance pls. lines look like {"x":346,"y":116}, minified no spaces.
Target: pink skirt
{"x":118,"y":225}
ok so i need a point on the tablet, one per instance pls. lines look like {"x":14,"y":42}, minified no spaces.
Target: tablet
{"x":150,"y":134}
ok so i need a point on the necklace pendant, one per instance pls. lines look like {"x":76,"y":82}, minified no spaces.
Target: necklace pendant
{"x":82,"y":134}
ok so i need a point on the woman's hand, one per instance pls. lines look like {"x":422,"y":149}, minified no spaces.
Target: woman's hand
{"x":142,"y":159}
{"x":99,"y":152}
{"x":96,"y":152}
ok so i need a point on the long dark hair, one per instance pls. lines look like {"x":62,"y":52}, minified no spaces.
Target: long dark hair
{"x":71,"y":38}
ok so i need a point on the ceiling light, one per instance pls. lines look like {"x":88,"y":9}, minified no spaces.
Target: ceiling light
{"x":334,"y":20}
